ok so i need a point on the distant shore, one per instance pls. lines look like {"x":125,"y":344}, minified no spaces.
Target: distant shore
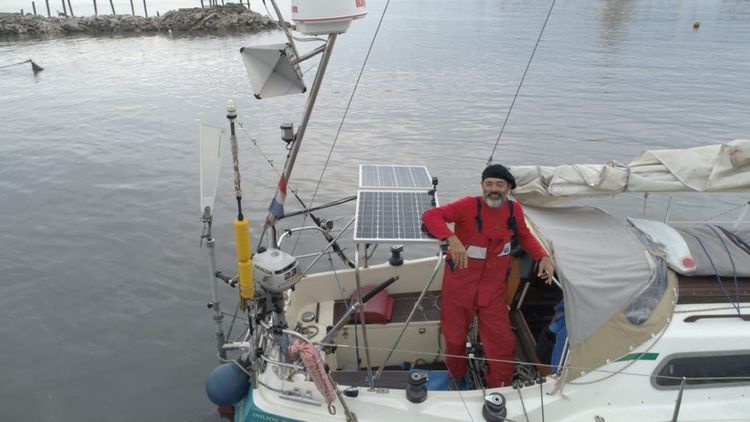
{"x":183,"y":20}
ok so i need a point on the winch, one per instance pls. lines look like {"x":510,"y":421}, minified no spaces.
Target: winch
{"x":275,"y":270}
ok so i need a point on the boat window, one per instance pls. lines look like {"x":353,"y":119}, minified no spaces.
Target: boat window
{"x":639,"y":309}
{"x":705,"y":369}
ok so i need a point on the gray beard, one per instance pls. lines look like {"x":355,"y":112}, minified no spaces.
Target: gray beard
{"x":494,"y":203}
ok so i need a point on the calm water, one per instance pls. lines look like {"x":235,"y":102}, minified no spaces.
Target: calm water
{"x":102,"y":283}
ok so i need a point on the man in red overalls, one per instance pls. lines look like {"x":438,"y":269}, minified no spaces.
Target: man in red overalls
{"x":476,"y":269}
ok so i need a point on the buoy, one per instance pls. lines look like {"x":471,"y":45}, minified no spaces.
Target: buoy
{"x":227,"y":385}
{"x":696,"y":24}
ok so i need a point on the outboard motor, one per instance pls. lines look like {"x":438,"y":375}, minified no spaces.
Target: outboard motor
{"x":275,"y":270}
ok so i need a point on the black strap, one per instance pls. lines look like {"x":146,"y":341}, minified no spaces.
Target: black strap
{"x":512,"y":224}
{"x":479,"y":215}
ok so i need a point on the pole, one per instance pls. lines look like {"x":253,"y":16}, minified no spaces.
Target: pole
{"x":33,"y":6}
{"x":241,"y":226}
{"x":65,"y":9}
{"x":112,"y":5}
{"x":215,"y":303}
{"x":132,"y":9}
{"x":417,"y":305}
{"x":70,"y":7}
{"x":49,"y":15}
{"x":96,"y":10}
{"x":679,"y":401}
{"x":145,"y":9}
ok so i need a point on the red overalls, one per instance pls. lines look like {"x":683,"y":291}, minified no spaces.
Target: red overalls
{"x":480,"y":288}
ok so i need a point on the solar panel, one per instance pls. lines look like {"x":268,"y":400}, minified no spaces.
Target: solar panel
{"x":394,"y":177}
{"x":392,"y":216}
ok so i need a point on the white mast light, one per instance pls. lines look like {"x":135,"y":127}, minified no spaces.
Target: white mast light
{"x":315,"y":17}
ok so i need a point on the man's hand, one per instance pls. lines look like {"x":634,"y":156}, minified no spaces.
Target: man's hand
{"x":546,"y":269}
{"x":458,"y":252}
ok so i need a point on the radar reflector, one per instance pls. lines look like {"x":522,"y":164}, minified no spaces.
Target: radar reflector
{"x":272,"y":71}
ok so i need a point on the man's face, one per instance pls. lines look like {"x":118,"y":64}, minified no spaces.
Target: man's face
{"x":495,"y":191}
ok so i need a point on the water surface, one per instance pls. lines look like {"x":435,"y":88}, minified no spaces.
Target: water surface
{"x":103,"y":285}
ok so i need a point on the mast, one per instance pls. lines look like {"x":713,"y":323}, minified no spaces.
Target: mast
{"x":280,"y":195}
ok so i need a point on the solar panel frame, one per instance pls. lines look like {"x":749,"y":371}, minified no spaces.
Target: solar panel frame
{"x":391,"y":216}
{"x":380,"y":176}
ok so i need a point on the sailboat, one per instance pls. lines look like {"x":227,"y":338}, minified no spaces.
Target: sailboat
{"x":647,"y":320}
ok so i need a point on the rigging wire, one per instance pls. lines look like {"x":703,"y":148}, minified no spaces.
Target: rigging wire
{"x":309,"y":39}
{"x":305,"y":209}
{"x":718,"y":277}
{"x":523,"y":77}
{"x":587,"y":370}
{"x":15,"y":64}
{"x":346,"y":110}
{"x":734,"y":268}
{"x":709,"y":219}
{"x":518,"y":386}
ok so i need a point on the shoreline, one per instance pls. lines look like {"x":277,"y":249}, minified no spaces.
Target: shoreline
{"x":192,"y":20}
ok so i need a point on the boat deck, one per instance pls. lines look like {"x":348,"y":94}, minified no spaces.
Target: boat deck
{"x":707,"y":289}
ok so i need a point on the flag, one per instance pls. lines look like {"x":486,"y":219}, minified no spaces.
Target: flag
{"x":276,"y":209}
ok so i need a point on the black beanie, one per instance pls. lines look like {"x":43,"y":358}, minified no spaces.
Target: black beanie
{"x":499,"y":171}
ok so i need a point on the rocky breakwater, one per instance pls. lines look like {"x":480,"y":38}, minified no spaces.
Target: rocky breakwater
{"x":193,"y":20}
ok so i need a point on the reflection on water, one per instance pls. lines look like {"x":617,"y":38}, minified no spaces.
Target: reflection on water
{"x":103,"y":290}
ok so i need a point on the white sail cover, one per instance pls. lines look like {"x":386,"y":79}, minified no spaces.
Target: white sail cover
{"x":712,"y":168}
{"x":600,"y":262}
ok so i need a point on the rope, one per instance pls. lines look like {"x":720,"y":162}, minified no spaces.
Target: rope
{"x":343,"y":297}
{"x":615,"y":372}
{"x":254,"y":142}
{"x":16,"y":64}
{"x":718,"y":277}
{"x":629,"y":364}
{"x":734,"y":268}
{"x":523,"y":77}
{"x":725,"y":212}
